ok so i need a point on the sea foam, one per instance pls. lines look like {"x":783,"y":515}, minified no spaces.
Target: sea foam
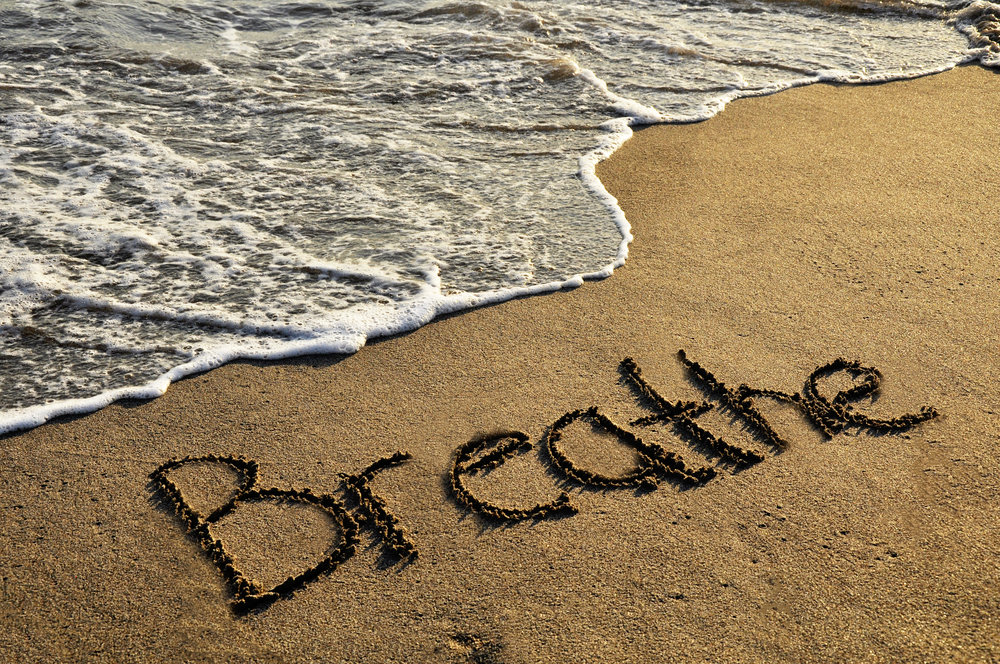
{"x":183,"y":186}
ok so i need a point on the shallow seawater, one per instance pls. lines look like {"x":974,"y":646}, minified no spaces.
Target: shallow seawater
{"x":186,"y":183}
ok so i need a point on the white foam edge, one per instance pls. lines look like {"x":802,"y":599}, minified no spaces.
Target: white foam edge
{"x":619,"y":131}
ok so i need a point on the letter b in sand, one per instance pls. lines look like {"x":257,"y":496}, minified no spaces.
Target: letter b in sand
{"x":248,"y":594}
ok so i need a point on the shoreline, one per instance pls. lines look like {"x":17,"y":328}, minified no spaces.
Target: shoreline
{"x":19,"y":420}
{"x":786,"y":231}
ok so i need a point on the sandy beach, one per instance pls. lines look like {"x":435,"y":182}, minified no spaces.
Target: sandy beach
{"x":788,"y":231}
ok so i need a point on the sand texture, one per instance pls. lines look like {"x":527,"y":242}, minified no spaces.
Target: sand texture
{"x":822,"y":222}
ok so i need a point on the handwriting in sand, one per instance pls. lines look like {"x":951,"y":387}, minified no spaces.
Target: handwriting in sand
{"x":482,"y":454}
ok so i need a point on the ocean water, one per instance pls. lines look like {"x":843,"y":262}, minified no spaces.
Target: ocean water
{"x":185,"y":183}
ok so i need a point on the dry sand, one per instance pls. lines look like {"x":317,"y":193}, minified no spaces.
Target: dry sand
{"x":789,"y":230}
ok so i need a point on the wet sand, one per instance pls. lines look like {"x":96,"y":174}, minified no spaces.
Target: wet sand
{"x":822,"y":222}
